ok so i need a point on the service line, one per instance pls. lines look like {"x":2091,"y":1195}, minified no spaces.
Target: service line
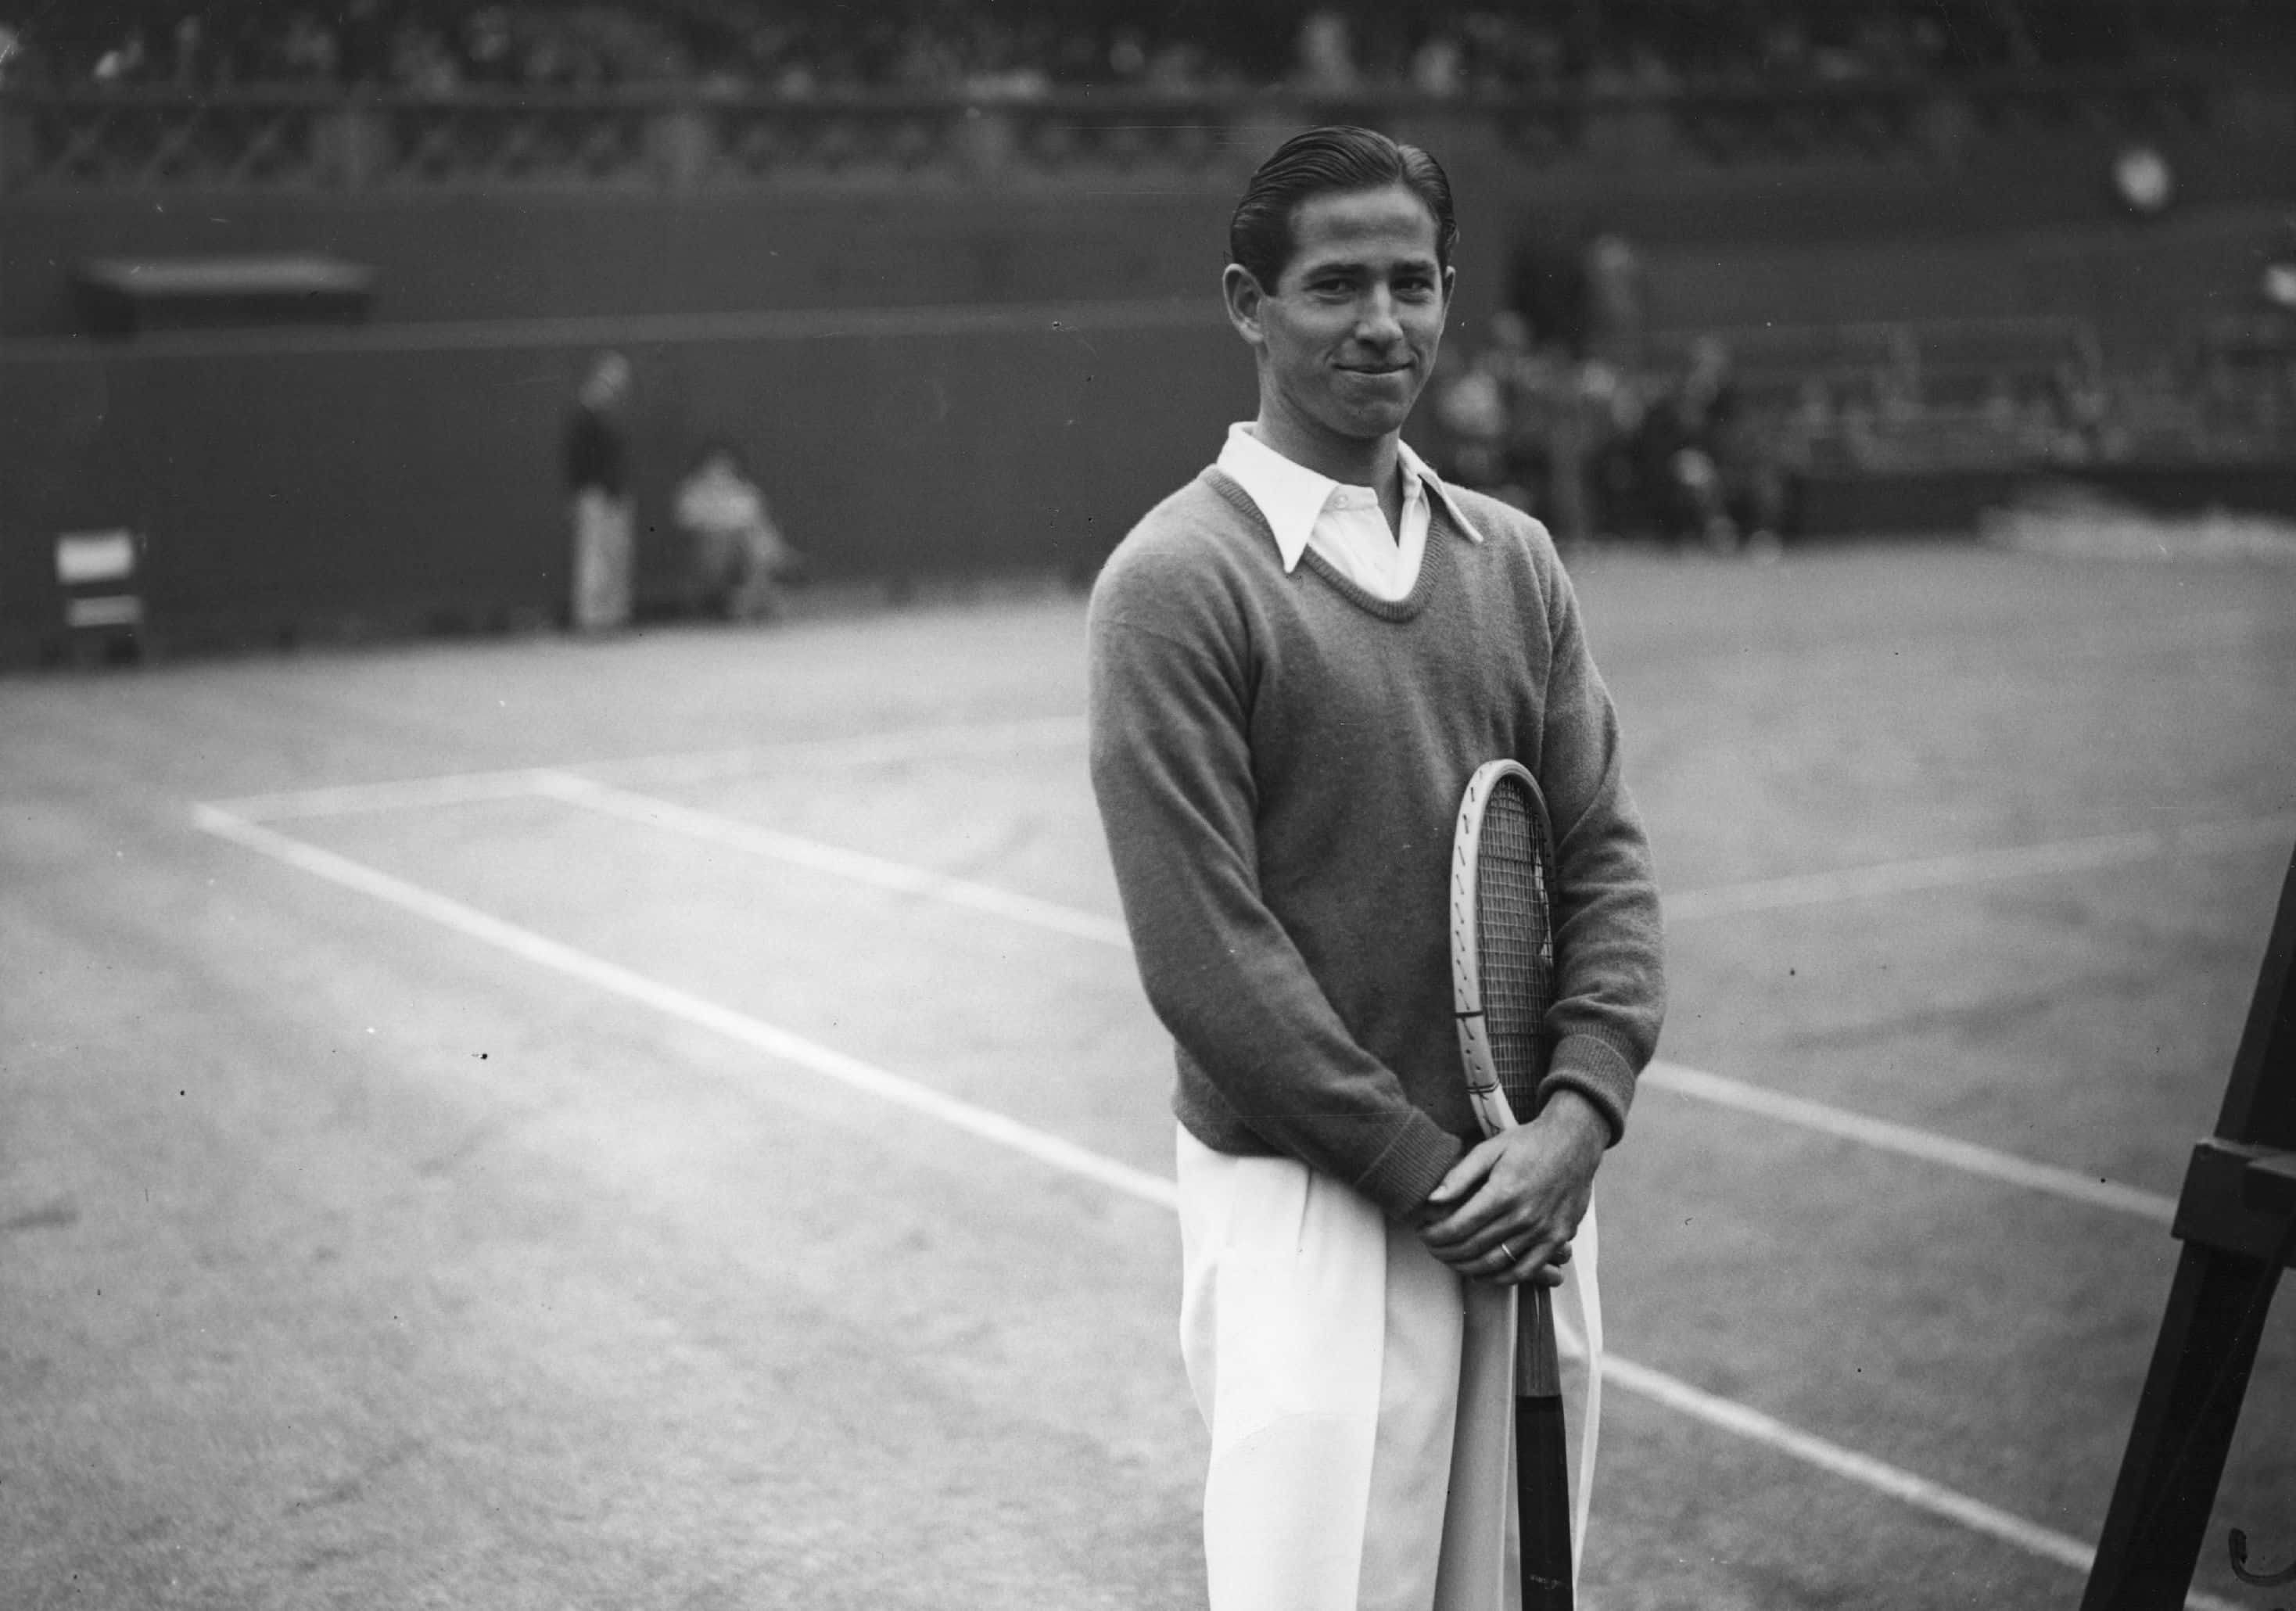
{"x":944,"y":740}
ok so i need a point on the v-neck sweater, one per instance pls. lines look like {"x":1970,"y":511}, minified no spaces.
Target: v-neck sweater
{"x":1278,"y":760}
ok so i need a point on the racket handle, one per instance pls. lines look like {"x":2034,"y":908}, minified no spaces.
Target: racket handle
{"x":1537,"y":1368}
{"x":1543,"y":1504}
{"x":1542,"y":1456}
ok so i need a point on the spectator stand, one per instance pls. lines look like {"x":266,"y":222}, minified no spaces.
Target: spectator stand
{"x":687,"y":133}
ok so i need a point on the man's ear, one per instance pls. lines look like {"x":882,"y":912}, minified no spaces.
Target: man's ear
{"x":1450,"y":284}
{"x":1241,"y":292}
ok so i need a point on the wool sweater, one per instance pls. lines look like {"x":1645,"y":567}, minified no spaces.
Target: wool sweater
{"x":1278,"y":760}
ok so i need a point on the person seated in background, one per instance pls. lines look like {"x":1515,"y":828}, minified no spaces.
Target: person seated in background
{"x":740,"y":562}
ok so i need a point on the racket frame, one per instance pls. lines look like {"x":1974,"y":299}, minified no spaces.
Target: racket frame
{"x":1544,"y":1512}
{"x":1492,"y":1110}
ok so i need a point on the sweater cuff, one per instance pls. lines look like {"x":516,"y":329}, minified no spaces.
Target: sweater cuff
{"x":1597,"y":1071}
{"x":1400,"y":1179}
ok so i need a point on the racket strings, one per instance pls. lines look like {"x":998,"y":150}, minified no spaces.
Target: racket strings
{"x":1514,"y":944}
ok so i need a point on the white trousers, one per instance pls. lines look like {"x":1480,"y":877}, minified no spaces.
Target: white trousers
{"x":1359,"y":1395}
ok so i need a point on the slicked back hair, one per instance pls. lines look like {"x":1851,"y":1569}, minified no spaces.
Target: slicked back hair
{"x":1338,"y":158}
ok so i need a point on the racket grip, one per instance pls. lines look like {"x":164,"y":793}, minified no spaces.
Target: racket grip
{"x":1542,"y":1456}
{"x":1537,"y":1368}
{"x":1543,"y":1505}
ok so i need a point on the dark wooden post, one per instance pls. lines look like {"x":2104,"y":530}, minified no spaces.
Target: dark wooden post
{"x":2237,"y":1219}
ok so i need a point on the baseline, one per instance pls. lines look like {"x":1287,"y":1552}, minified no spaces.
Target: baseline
{"x":1069,"y":1158}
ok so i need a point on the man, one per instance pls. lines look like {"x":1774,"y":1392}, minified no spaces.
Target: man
{"x":1297,"y":661}
{"x":597,"y":485}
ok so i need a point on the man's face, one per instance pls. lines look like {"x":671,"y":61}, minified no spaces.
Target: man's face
{"x":1349,"y":333}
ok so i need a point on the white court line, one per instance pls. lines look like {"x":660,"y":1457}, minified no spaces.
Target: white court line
{"x":865,"y":749}
{"x":896,"y":877}
{"x":1971,"y":867}
{"x":860,"y":749}
{"x":1903,"y":1139}
{"x":1946,"y":1503}
{"x":1069,"y":1158}
{"x":616,"y":980}
{"x":997,"y":738}
{"x":413,"y":793}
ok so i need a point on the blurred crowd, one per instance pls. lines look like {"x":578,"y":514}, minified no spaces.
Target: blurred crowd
{"x":1564,"y":407}
{"x":1019,"y":48}
{"x":1599,"y":450}
{"x":1567,"y":403}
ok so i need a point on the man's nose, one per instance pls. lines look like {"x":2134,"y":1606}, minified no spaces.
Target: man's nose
{"x":1376,"y":324}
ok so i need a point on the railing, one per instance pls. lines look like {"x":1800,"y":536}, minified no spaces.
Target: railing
{"x":289,"y":139}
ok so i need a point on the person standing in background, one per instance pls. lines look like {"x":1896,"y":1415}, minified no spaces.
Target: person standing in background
{"x":597,"y":484}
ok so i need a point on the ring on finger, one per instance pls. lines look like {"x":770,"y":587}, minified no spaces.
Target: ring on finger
{"x":1506,"y":1252}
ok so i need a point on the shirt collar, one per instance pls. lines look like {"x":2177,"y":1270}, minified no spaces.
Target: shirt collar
{"x":1292,"y":496}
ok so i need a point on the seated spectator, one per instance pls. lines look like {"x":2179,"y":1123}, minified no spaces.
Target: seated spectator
{"x":739,"y":563}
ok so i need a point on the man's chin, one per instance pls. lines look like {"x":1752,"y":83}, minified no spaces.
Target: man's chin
{"x":1368,"y":422}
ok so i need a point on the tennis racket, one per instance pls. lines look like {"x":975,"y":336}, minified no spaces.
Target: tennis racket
{"x":1502,"y":984}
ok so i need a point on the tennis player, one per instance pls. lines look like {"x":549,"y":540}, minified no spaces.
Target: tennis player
{"x":1297,"y":662}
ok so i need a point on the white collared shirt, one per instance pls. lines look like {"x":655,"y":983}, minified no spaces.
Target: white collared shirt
{"x":1343,"y":524}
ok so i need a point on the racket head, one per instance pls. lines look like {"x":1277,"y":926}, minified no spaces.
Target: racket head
{"x":1503,"y":941}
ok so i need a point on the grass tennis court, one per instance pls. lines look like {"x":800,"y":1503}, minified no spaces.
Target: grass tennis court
{"x":672,"y":1122}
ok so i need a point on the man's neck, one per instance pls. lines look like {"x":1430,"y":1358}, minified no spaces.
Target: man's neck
{"x":1375,"y":462}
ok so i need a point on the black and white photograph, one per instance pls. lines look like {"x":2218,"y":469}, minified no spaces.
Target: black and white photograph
{"x":1147,"y":805}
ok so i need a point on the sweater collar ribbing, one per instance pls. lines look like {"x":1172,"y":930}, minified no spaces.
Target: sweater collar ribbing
{"x":1445,"y":517}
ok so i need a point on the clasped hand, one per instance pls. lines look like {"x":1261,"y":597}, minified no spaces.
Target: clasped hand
{"x":1506,"y":1212}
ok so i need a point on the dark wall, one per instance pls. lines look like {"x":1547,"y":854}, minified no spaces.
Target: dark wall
{"x":280,"y":491}
{"x":508,"y":254}
{"x":2145,"y":288}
